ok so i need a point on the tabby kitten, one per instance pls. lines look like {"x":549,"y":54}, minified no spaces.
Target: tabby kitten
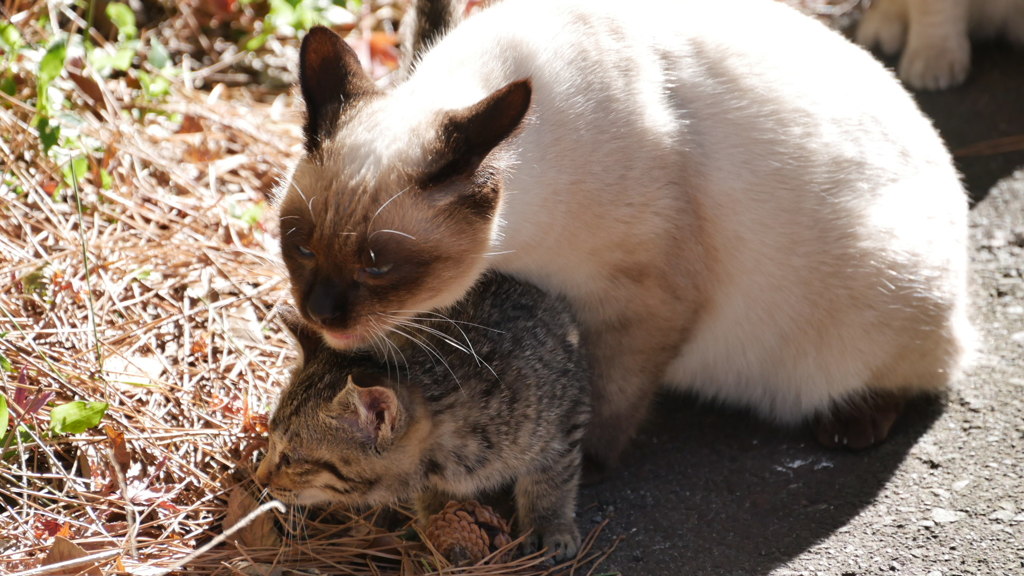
{"x":734,"y":199}
{"x":489,"y":391}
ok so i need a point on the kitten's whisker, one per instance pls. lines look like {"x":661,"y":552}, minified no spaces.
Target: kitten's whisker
{"x":486,"y":254}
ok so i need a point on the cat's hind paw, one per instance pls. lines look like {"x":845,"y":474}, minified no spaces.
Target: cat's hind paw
{"x":859,"y":424}
{"x":561,"y":543}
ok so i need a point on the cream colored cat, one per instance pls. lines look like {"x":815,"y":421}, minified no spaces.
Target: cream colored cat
{"x":934,"y":35}
{"x":769,"y":223}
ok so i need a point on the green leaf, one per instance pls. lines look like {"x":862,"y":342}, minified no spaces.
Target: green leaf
{"x":76,"y":417}
{"x":122,"y":58}
{"x":8,"y":85}
{"x":257,"y":42}
{"x":50,"y":67}
{"x":49,"y":134}
{"x":104,"y":61}
{"x":75,"y":170}
{"x":106,"y":180}
{"x":5,"y":417}
{"x":154,"y":86}
{"x":159,"y":57}
{"x":123,"y":17}
{"x":52,"y":63}
{"x":6,"y":366}
{"x":10,"y":37}
{"x":251,"y":214}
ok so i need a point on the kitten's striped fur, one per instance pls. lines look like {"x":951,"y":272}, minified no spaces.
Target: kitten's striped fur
{"x":489,"y":392}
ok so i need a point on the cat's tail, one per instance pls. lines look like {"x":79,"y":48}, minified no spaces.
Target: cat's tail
{"x":426,"y":22}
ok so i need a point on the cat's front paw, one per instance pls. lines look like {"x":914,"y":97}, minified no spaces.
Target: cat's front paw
{"x":560,"y":542}
{"x":937,"y":63}
{"x":883,"y":26}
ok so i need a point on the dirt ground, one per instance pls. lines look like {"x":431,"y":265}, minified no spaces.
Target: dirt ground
{"x":710,"y":491}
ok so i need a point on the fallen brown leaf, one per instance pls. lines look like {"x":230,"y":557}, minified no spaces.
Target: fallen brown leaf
{"x":64,"y":550}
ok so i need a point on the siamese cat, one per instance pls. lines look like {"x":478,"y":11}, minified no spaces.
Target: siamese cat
{"x":934,"y":35}
{"x":735,"y":200}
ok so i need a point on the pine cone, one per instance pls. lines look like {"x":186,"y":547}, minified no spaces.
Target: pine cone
{"x":466,"y":532}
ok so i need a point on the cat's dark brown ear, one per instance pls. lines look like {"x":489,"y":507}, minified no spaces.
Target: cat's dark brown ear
{"x":468,"y":135}
{"x":331,"y":78}
{"x":373,"y":411}
{"x":308,"y":339}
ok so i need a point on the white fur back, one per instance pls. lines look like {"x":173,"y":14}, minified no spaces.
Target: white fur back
{"x":788,"y":195}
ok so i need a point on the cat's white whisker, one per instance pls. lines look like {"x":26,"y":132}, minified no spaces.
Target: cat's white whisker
{"x":428,"y":348}
{"x":468,"y":349}
{"x":379,"y":332}
{"x":438,"y":317}
{"x":375,"y":232}
{"x":385,"y":204}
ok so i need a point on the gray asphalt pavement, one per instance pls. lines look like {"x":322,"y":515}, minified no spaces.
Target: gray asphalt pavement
{"x":708,"y":490}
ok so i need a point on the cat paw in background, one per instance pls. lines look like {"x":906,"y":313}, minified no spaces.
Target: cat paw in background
{"x":934,"y":35}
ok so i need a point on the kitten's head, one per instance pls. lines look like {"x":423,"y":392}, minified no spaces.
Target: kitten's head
{"x":391,"y":212}
{"x":340,"y":432}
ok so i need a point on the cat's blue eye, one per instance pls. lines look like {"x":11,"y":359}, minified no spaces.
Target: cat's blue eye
{"x":377,"y":271}
{"x":305,"y":252}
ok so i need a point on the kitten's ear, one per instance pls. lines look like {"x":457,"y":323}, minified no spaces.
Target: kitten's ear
{"x":331,"y":77}
{"x":308,"y":339}
{"x":372,"y":411}
{"x":469,"y":135}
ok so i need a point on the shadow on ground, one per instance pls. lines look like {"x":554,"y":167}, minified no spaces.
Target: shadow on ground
{"x":722,"y":492}
{"x":986,"y":111}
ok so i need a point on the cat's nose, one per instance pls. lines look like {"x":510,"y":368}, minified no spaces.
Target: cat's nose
{"x":326,"y":303}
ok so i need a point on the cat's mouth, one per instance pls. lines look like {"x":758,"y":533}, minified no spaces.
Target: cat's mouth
{"x":342,"y":339}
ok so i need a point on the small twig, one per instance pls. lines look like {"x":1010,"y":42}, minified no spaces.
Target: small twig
{"x":248,"y":519}
{"x":129,"y":507}
{"x":991,"y":147}
{"x":62,"y":567}
{"x":85,"y":264}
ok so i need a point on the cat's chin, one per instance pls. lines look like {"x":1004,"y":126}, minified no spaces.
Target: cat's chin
{"x":342,"y":340}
